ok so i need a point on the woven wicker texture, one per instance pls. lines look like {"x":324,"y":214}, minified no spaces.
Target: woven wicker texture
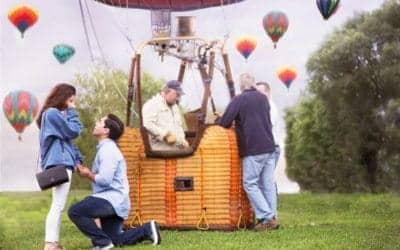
{"x":217,"y":200}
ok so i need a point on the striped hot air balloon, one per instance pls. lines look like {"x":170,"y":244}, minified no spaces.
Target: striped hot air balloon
{"x":23,"y":17}
{"x":287,"y":74}
{"x":245,"y":45}
{"x":327,"y":7}
{"x":275,"y":24}
{"x":20,"y":108}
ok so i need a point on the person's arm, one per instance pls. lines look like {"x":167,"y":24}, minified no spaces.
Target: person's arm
{"x":180,"y":133}
{"x":106,"y":169}
{"x":77,"y":154}
{"x":150,"y":113}
{"x":68,"y":127}
{"x":230,"y":114}
{"x":85,"y":172}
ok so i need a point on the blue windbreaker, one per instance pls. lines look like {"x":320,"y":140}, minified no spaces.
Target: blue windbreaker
{"x":56,"y":134}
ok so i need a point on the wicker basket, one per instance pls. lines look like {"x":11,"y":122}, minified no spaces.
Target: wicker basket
{"x":203,"y":191}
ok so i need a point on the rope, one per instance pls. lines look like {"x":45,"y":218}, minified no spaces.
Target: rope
{"x":100,"y":48}
{"x":136,"y":216}
{"x":94,"y":32}
{"x":126,"y":36}
{"x":85,"y":30}
{"x":227,"y":34}
{"x":202,"y":224}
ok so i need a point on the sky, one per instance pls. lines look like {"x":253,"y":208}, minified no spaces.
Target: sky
{"x":28,"y":63}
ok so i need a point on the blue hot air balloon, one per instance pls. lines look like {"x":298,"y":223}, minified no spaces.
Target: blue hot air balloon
{"x":63,"y":52}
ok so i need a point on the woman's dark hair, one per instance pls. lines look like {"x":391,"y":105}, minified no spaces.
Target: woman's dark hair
{"x":57,"y":99}
{"x":115,"y":125}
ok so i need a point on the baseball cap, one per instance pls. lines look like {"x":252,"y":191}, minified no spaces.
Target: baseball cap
{"x":176,"y":85}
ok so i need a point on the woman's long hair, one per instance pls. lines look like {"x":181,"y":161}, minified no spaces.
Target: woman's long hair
{"x":57,"y":99}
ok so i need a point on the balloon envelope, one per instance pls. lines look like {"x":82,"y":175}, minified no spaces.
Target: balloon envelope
{"x":23,"y":17}
{"x":327,"y":7}
{"x":275,"y":24}
{"x":173,"y":5}
{"x":246,"y":45}
{"x":287,"y":74}
{"x":20,"y":108}
{"x":63,"y":52}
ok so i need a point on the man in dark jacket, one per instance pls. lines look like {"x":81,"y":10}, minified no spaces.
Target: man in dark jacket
{"x":256,"y":148}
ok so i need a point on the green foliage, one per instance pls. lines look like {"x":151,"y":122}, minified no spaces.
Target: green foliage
{"x":101,"y":92}
{"x":308,"y":221}
{"x":343,"y":136}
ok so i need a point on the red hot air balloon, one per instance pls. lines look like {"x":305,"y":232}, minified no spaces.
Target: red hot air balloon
{"x":287,"y":74}
{"x":23,"y":17}
{"x":20,"y":108}
{"x":245,"y":45}
{"x":275,"y":24}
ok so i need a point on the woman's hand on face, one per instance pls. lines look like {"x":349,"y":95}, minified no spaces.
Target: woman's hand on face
{"x":71,"y":102}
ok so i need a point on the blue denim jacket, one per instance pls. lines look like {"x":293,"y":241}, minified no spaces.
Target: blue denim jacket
{"x":56,"y":134}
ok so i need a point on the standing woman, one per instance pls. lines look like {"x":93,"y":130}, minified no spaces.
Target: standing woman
{"x":59,"y":124}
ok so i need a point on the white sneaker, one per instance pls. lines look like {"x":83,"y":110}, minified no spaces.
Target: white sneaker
{"x":155,"y":233}
{"x":110,"y":246}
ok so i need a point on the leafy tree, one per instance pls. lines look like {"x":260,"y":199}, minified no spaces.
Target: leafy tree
{"x":101,"y":92}
{"x":341,"y":137}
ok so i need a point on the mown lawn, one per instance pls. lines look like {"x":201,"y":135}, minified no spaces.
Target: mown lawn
{"x":309,"y":221}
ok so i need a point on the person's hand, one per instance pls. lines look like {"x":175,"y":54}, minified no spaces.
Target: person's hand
{"x":71,"y":103}
{"x":77,"y":166}
{"x":217,"y":117}
{"x":183,"y":143}
{"x":170,"y":138}
{"x":83,"y":171}
{"x":217,"y":114}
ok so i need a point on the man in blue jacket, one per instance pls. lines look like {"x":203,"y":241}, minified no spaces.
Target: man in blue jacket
{"x":256,"y":148}
{"x":110,"y":199}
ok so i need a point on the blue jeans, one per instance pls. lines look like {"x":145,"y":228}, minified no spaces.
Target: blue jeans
{"x":277,"y":153}
{"x":259,"y":184}
{"x":82,"y":214}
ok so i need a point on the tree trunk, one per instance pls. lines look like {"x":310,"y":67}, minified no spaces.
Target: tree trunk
{"x":370,"y":159}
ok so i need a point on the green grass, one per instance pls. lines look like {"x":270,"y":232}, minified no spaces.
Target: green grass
{"x":308,"y":221}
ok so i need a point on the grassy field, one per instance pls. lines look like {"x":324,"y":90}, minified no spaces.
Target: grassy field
{"x":309,"y":221}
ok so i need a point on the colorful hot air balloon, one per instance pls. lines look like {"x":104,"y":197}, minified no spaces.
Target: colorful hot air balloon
{"x":63,"y":52}
{"x":23,"y":17}
{"x":275,"y":24}
{"x":245,"y":45}
{"x":287,"y":74}
{"x":20,"y":108}
{"x":327,"y":7}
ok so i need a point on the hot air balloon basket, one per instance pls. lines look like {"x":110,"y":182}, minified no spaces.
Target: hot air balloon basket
{"x":203,"y":191}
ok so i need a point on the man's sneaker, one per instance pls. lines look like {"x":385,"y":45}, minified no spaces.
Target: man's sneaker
{"x":109,"y":246}
{"x":155,"y":233}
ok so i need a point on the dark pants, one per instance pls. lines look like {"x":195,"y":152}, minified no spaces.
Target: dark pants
{"x":83,"y":213}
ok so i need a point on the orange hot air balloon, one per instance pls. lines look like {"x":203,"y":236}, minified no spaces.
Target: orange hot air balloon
{"x":245,"y":45}
{"x":23,"y":16}
{"x":20,"y":108}
{"x":287,"y":74}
